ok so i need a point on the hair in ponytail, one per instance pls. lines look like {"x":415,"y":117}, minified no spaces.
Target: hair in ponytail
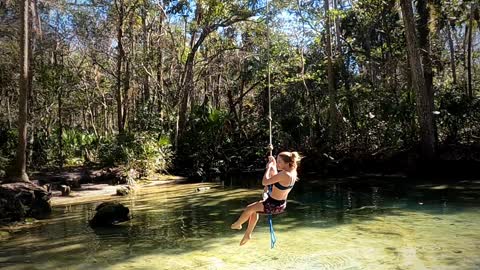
{"x":292,"y":158}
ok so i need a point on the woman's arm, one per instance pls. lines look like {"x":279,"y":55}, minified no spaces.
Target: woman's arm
{"x":267,"y":173}
{"x":273,"y":171}
{"x":272,"y":166}
{"x":271,"y":180}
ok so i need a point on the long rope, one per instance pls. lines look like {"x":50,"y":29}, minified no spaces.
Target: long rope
{"x":268,"y":82}
{"x":273,"y":239}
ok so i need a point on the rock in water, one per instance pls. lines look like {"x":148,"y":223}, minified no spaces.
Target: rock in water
{"x":21,"y":200}
{"x":124,"y":191}
{"x":65,"y":190}
{"x":110,"y":213}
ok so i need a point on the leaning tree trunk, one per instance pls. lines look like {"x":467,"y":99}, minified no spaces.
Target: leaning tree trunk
{"x":21,"y":168}
{"x":424,"y":105}
{"x":188,"y":82}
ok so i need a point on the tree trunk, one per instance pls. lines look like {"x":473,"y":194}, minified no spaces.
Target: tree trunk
{"x":187,"y":89}
{"x":452,"y":52}
{"x":90,"y":112}
{"x":59,"y":91}
{"x":426,"y":52}
{"x":105,"y":116}
{"x":338,"y":41}
{"x":30,"y":96}
{"x":9,"y":113}
{"x":160,"y":82}
{"x":60,"y":128}
{"x":146,"y":79}
{"x":206,"y":75}
{"x":331,"y":80}
{"x":126,"y":88}
{"x":104,"y":103}
{"x":469,"y":53}
{"x":311,"y":99}
{"x":177,"y":119}
{"x":21,"y":170}
{"x":160,"y":69}
{"x":112,"y":119}
{"x":93,"y":119}
{"x":240,"y":103}
{"x":120,"y":56}
{"x":188,"y":80}
{"x":424,"y":45}
{"x":424,"y":105}
{"x":217,"y":88}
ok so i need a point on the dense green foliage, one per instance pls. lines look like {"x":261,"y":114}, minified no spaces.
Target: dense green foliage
{"x":187,"y":80}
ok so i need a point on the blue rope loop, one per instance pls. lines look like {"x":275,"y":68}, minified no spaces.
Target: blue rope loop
{"x":273,"y":239}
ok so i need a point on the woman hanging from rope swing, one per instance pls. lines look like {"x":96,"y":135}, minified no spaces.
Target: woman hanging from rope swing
{"x":274,"y":202}
{"x":277,"y":184}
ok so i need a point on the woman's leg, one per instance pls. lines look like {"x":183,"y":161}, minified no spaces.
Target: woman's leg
{"x":251,"y":209}
{"x":252,"y":222}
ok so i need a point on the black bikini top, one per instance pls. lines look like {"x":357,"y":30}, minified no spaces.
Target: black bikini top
{"x":281,"y":187}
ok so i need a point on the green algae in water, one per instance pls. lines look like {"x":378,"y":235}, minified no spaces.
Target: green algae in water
{"x":4,"y":235}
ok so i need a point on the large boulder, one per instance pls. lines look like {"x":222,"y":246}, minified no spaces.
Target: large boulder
{"x":110,"y":213}
{"x":21,"y":200}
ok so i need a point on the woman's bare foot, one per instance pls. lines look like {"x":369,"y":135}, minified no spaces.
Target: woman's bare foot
{"x":245,"y":239}
{"x":236,"y":227}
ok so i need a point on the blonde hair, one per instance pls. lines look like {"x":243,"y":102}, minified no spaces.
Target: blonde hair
{"x":292,"y":158}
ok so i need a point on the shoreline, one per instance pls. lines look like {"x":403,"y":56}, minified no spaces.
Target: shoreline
{"x":89,"y":193}
{"x":93,"y":192}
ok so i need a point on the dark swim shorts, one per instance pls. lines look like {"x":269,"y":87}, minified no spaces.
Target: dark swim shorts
{"x":272,"y":206}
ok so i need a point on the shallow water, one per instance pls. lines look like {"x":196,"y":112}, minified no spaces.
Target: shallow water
{"x":389,"y":224}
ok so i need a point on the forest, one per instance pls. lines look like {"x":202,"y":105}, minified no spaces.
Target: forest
{"x":184,"y":86}
{"x":134,"y":134}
